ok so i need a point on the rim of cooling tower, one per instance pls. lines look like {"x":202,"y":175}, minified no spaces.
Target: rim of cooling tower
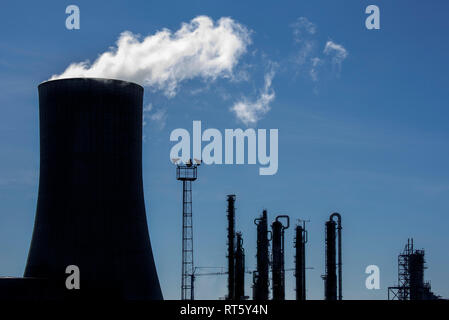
{"x":106,"y":80}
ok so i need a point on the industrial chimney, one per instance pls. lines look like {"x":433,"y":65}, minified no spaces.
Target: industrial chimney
{"x":278,"y":268}
{"x":239,"y":268}
{"x":261,"y":281}
{"x":330,"y":279}
{"x":231,"y":247}
{"x":90,"y":209}
{"x":416,"y":266}
{"x":300,"y":261}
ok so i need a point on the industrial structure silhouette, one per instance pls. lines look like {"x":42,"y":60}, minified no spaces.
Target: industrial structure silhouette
{"x":90,"y":209}
{"x":411,"y":284}
{"x":91,"y":213}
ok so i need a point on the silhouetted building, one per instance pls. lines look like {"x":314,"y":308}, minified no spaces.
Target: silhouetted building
{"x":411,"y":284}
{"x":90,"y":209}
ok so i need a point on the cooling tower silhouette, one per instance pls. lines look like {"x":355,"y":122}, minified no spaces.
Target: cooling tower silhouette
{"x":90,"y":209}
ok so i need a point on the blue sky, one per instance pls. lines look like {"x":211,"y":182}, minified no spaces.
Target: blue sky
{"x":368,"y":137}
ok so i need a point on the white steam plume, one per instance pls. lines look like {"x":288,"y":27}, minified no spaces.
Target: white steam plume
{"x":337,"y":51}
{"x":199,"y":49}
{"x":249,"y":112}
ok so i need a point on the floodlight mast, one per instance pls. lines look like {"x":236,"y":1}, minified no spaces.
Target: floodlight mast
{"x":187,"y":173}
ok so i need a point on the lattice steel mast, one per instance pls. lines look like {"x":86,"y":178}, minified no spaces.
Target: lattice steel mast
{"x":187,"y":173}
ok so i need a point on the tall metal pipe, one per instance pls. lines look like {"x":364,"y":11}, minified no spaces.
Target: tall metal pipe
{"x":416,"y":268}
{"x":331,"y":263}
{"x":278,"y":269}
{"x":300,"y":261}
{"x":231,"y":245}
{"x":330,"y":278}
{"x":239,"y":268}
{"x":340,"y":287}
{"x":261,"y":285}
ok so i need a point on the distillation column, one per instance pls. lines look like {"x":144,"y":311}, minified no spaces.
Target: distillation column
{"x":331,"y":259}
{"x":261,"y":281}
{"x":300,"y":261}
{"x":278,"y":269}
{"x":239,"y":268}
{"x":231,"y":250}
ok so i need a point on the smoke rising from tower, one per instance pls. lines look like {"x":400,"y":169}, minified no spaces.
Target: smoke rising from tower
{"x":201,"y":48}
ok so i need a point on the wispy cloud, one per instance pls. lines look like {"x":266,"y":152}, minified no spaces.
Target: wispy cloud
{"x":308,"y":58}
{"x":249,"y":112}
{"x":303,"y":36}
{"x":315,"y":63}
{"x":302,"y":57}
{"x":160,"y":117}
{"x":201,"y":48}
{"x":146,"y":110}
{"x":336,"y":51}
{"x":303,"y":30}
{"x":157,"y":117}
{"x":302,"y":26}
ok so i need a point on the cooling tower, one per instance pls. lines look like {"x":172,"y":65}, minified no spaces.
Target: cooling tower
{"x":90,"y":209}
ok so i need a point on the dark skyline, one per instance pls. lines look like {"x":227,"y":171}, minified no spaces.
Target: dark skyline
{"x":362,"y":131}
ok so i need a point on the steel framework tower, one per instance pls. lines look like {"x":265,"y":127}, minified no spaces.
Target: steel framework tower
{"x":187,"y":174}
{"x":402,"y":290}
{"x":411,"y":284}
